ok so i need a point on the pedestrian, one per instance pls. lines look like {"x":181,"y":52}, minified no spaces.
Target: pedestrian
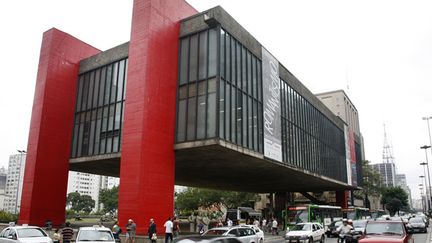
{"x":168,"y":230}
{"x":264,"y":224}
{"x":67,"y":233}
{"x":152,"y":234}
{"x":130,"y":231}
{"x":256,"y":223}
{"x":176,"y":227}
{"x":229,"y":222}
{"x":116,"y":231}
{"x":274,"y":227}
{"x":56,"y":236}
{"x":201,"y":228}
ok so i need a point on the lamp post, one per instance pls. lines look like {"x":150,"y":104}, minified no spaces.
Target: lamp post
{"x":428,"y":186}
{"x":21,"y":152}
{"x":421,"y":196}
{"x":423,"y":177}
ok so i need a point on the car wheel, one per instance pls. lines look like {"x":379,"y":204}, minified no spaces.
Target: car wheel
{"x":261,"y":240}
{"x":322,"y":239}
{"x":311,"y":240}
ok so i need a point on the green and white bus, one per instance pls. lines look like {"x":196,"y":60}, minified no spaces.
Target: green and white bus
{"x":356,"y":213}
{"x":323,"y":214}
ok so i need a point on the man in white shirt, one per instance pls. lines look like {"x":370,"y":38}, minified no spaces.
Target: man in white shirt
{"x":264,"y":225}
{"x":275,"y":227}
{"x":229,"y":222}
{"x":168,"y":230}
{"x":344,"y":229}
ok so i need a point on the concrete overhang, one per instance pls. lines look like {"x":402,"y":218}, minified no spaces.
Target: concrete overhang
{"x":106,"y":164}
{"x":220,"y":165}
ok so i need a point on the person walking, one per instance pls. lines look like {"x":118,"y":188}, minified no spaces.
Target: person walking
{"x":256,"y":223}
{"x":201,"y":228}
{"x":229,"y":222}
{"x":152,"y":234}
{"x":219,"y":224}
{"x":130,"y":231}
{"x":67,"y":233}
{"x":56,"y":236}
{"x":264,"y":225}
{"x":274,"y":227}
{"x":116,"y":231}
{"x":168,"y":230}
{"x":176,"y":227}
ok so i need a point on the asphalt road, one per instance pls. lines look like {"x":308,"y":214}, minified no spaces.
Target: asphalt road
{"x":418,"y":238}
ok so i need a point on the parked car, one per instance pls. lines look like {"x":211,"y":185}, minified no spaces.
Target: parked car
{"x":243,"y":234}
{"x":257,"y":230}
{"x":332,"y":228}
{"x":306,"y":232}
{"x":95,"y":234}
{"x":388,"y":231}
{"x":207,"y":239}
{"x":417,"y":224}
{"x":24,"y":234}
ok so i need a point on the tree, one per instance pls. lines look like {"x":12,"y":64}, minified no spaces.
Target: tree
{"x":80,"y":203}
{"x":394,"y":198}
{"x":371,"y":183}
{"x":193,"y":198}
{"x":109,"y":199}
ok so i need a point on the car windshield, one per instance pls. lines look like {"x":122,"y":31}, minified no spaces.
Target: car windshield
{"x":384,"y":228}
{"x":359,"y":223}
{"x":215,"y":232}
{"x":416,"y":220}
{"x":30,"y":232}
{"x":94,"y":235}
{"x":302,"y":227}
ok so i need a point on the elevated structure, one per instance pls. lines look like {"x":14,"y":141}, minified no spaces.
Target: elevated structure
{"x":192,"y":99}
{"x":387,"y":168}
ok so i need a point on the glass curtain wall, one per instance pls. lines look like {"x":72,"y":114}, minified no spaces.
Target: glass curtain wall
{"x":99,"y":110}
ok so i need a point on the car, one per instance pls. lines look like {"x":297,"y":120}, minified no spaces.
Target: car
{"x":306,"y":232}
{"x":359,"y":226}
{"x":206,"y":239}
{"x":95,"y":234}
{"x":332,"y":228}
{"x":243,"y":234}
{"x":388,"y":231}
{"x":24,"y":234}
{"x":257,"y":230}
{"x":417,"y":224}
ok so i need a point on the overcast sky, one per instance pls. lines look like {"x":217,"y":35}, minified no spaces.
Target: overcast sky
{"x":379,"y":52}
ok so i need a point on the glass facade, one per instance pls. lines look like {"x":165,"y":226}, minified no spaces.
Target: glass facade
{"x":99,"y":110}
{"x":213,"y":65}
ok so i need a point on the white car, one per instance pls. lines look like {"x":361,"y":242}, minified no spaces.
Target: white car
{"x":242,"y":233}
{"x":257,"y":230}
{"x":24,"y":234}
{"x":306,"y":232}
{"x":95,"y":234}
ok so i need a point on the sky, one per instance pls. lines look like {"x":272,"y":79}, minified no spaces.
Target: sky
{"x":379,"y":52}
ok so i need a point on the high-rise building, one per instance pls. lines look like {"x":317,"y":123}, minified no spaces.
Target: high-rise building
{"x":3,"y":178}
{"x":401,"y":181}
{"x":14,"y":183}
{"x":387,"y":172}
{"x":90,"y":184}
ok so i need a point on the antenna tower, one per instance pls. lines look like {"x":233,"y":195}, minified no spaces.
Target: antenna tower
{"x":387,"y":150}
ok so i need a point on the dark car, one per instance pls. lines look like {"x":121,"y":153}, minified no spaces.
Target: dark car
{"x":417,"y":224}
{"x":387,"y":231}
{"x":332,"y":228}
{"x":206,"y":239}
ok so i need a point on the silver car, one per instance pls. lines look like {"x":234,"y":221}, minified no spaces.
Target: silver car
{"x":95,"y":234}
{"x":243,"y":234}
{"x":24,"y":234}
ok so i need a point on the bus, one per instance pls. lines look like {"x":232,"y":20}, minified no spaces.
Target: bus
{"x":323,"y":214}
{"x":242,"y":215}
{"x":356,"y":213}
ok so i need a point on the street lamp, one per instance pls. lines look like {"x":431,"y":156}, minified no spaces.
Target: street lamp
{"x":421,"y":196}
{"x":428,"y":187}
{"x":21,"y":152}
{"x":427,"y":202}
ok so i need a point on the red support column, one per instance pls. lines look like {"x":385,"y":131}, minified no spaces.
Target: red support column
{"x":147,"y":162}
{"x":342,"y":198}
{"x":50,"y":136}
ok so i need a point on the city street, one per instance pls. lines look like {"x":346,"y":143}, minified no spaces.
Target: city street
{"x":418,"y":238}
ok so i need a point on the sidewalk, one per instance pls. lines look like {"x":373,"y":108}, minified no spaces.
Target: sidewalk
{"x":268,"y":237}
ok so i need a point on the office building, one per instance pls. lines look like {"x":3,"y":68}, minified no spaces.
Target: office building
{"x":14,"y":183}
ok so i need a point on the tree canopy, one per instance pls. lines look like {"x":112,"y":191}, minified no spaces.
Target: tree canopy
{"x":109,"y":199}
{"x":80,"y":203}
{"x":193,"y":198}
{"x":394,"y":199}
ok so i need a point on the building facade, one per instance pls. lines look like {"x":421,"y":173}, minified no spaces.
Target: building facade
{"x":401,"y":181}
{"x":14,"y":183}
{"x":3,"y":181}
{"x":387,"y":172}
{"x":193,"y":99}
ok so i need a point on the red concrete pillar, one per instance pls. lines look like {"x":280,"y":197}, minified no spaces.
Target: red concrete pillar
{"x":342,"y":199}
{"x":50,"y":136}
{"x":147,"y":162}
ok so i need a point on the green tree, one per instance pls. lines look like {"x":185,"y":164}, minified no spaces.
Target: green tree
{"x":394,"y":199}
{"x":109,"y":199}
{"x":80,"y":203}
{"x":371,"y":183}
{"x":193,"y":198}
